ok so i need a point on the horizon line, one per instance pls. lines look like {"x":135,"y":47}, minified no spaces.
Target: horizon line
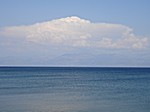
{"x":75,"y":66}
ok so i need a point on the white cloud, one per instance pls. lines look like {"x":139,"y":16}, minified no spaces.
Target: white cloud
{"x":76,"y":32}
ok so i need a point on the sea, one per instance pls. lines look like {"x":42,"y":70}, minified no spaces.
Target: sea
{"x":74,"y":89}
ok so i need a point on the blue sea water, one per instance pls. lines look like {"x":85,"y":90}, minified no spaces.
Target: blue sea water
{"x":74,"y":89}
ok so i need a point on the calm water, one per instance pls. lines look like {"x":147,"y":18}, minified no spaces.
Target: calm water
{"x":29,"y":89}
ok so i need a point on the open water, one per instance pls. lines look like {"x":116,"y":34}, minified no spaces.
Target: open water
{"x":74,"y":89}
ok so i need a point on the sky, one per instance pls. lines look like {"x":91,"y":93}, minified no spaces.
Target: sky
{"x":75,"y":33}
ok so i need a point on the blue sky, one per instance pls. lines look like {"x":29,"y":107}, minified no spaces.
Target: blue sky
{"x":134,"y":13}
{"x":120,"y":15}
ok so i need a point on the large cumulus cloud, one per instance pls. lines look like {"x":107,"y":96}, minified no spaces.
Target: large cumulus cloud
{"x":76,"y":32}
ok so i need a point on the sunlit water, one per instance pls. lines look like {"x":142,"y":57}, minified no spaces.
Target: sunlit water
{"x":74,"y":89}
